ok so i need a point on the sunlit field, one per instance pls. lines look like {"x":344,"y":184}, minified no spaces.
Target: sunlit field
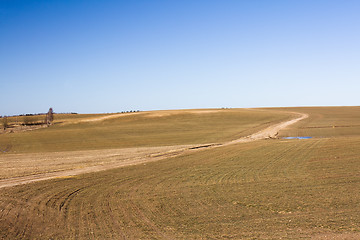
{"x":266,"y":189}
{"x":143,"y":129}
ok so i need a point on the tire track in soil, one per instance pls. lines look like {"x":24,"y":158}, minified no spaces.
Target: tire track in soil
{"x":114,"y":221}
{"x":141,"y":217}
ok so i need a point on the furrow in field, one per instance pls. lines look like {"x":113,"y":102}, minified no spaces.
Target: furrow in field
{"x":87,"y":221}
{"x":112,"y":220}
{"x":265,"y":161}
{"x":296,"y":168}
{"x":271,"y":159}
{"x":112,"y":224}
{"x":138,"y":214}
{"x":265,"y":190}
{"x":171,"y":200}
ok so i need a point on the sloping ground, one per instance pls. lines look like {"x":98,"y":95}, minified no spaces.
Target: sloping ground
{"x":35,"y":122}
{"x":258,"y":190}
{"x":267,"y":189}
{"x":25,"y":168}
{"x":325,"y":122}
{"x":143,"y":129}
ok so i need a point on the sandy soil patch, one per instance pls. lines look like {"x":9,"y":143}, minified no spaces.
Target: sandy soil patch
{"x":25,"y":168}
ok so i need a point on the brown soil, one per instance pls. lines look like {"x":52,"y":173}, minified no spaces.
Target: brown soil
{"x":134,"y":156}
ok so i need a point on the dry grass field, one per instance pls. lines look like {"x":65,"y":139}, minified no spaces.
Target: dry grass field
{"x":267,"y":189}
{"x":143,"y":129}
{"x":81,"y":141}
{"x":326,"y":122}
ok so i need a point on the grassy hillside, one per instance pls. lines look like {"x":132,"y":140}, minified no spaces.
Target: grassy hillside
{"x":142,"y":129}
{"x":268,"y":189}
{"x":325,"y":122}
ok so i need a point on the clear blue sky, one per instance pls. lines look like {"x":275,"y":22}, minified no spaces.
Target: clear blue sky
{"x":107,"y":56}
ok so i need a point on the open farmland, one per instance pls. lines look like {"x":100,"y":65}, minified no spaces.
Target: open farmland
{"x":267,"y":189}
{"x":143,"y":129}
{"x":325,"y":122}
{"x":78,"y":142}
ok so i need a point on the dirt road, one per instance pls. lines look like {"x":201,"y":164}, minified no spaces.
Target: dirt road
{"x":270,"y":132}
{"x":143,"y":155}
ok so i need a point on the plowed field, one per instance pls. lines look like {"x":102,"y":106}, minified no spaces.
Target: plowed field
{"x":267,"y":189}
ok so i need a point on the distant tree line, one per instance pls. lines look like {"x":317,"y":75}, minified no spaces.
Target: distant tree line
{"x":131,"y":111}
{"x":67,"y":113}
{"x":28,"y":118}
{"x":35,"y":114}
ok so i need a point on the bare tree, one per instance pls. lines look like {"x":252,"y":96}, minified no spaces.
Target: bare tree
{"x":50,"y":117}
{"x":5,"y":122}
